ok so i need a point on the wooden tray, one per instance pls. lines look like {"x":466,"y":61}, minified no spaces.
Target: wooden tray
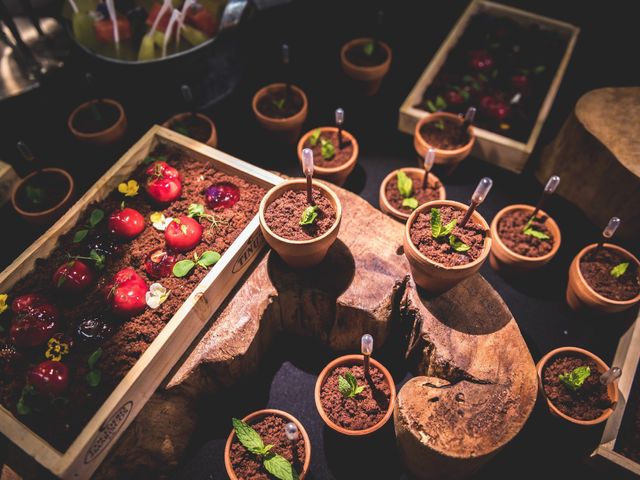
{"x":627,"y":356}
{"x":92,"y":444}
{"x":492,"y":147}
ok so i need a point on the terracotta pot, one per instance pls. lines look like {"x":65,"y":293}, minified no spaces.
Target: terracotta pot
{"x":300,"y":253}
{"x":602,"y":367}
{"x":253,"y":418}
{"x":347,"y":361}
{"x":449,"y":158}
{"x":109,"y":136}
{"x":502,"y":257}
{"x":368,"y":78}
{"x":289,"y":128}
{"x":581,"y":296}
{"x":339,"y":174}
{"x":435,"y":277}
{"x":401,"y":215}
{"x":47,"y":216}
{"x":212,"y":141}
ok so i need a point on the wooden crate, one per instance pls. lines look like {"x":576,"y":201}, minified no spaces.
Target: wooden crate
{"x":492,"y":147}
{"x":91,"y":446}
{"x":8,"y":180}
{"x":627,"y":357}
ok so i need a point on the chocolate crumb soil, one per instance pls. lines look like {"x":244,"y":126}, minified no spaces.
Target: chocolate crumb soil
{"x":341,"y":156}
{"x":248,"y":466}
{"x":96,"y":118}
{"x":357,"y":55}
{"x":365,"y":409}
{"x":596,"y":265}
{"x":589,"y":401}
{"x":130,"y":337}
{"x":276,"y":104}
{"x":446,"y":138}
{"x":192,"y":126}
{"x":423,"y":195}
{"x":284,"y":213}
{"x":438,"y":249}
{"x":511,"y":231}
{"x":628,"y":442}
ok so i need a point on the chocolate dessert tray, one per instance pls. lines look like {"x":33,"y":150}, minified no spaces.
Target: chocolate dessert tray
{"x":627,"y":358}
{"x":121,"y":397}
{"x":493,"y":144}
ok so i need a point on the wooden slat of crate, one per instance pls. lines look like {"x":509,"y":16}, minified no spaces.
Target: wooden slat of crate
{"x":120,"y":408}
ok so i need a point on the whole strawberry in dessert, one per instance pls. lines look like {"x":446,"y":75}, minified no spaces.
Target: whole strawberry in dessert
{"x":34,"y":325}
{"x":480,"y":60}
{"x":159,"y":264}
{"x":126,"y":223}
{"x":183,"y":234}
{"x":163,"y":182}
{"x":495,"y":108}
{"x":49,"y":377}
{"x":127,"y":292}
{"x":73,"y":276}
{"x":453,"y":97}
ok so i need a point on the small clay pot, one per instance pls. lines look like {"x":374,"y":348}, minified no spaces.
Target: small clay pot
{"x":300,"y":253}
{"x":286,"y":129}
{"x":602,"y":367}
{"x":401,"y":215}
{"x":347,"y":361}
{"x":254,"y":417}
{"x":581,"y":296}
{"x":502,"y":257}
{"x":212,"y":141}
{"x":47,"y":216}
{"x":337,"y":175}
{"x":435,"y":277}
{"x":449,"y":158}
{"x":108,"y":136}
{"x":368,"y":79}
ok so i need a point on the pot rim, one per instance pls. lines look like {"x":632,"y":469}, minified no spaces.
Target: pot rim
{"x":262,"y":413}
{"x":600,"y":297}
{"x":263,"y":91}
{"x":286,"y":186}
{"x":50,"y":210}
{"x":523,"y":258}
{"x":327,"y":170}
{"x":432,"y":117}
{"x":451,"y":203}
{"x":349,"y":359}
{"x":201,"y":116}
{"x":387,"y":179}
{"x":359,"y":41}
{"x":603,"y":368}
{"x":94,"y":135}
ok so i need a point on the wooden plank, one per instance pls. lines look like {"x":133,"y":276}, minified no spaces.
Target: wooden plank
{"x":120,"y":408}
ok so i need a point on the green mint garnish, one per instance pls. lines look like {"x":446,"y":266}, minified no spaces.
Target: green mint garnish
{"x":94,"y":375}
{"x":368,"y":48}
{"x":279,"y":103}
{"x":36,"y":195}
{"x":206,"y":260}
{"x":405,"y":185}
{"x":411,"y":203}
{"x":619,"y":269}
{"x":94,"y":219}
{"x":309,"y":215}
{"x":440,"y":103}
{"x":22,"y":407}
{"x":195,"y":210}
{"x":536,"y":234}
{"x":327,"y":149}
{"x":457,"y":245}
{"x":348,"y":385}
{"x":576,"y":378}
{"x":315,"y":136}
{"x":437,"y":230}
{"x":439,"y":124}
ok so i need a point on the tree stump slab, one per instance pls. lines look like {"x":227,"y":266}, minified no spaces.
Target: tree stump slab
{"x":597,"y":154}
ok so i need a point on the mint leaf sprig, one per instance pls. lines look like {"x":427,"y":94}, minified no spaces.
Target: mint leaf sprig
{"x":327,"y":149}
{"x":98,"y":259}
{"x":275,"y":464}
{"x":348,"y":385}
{"x":94,"y":375}
{"x":197,"y":210}
{"x":309,"y":215}
{"x":405,"y":187}
{"x":529,"y":230}
{"x":94,"y":219}
{"x":206,"y":260}
{"x":574,"y":379}
{"x":619,"y":270}
{"x":438,"y":231}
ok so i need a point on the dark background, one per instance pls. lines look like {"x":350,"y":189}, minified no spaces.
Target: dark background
{"x":248,"y":57}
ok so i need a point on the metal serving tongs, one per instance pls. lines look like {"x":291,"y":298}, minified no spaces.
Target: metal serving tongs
{"x":24,"y":55}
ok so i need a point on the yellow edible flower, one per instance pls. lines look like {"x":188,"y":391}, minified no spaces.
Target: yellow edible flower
{"x":3,"y":302}
{"x":156,"y":217}
{"x":129,"y":189}
{"x":505,"y":126}
{"x":56,"y":349}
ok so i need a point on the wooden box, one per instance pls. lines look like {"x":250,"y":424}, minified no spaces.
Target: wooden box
{"x":492,"y":147}
{"x":91,"y":446}
{"x":627,"y":357}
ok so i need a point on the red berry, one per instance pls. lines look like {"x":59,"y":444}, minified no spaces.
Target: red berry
{"x":520,"y":82}
{"x":126,"y":223}
{"x":127,"y":292}
{"x":480,"y":60}
{"x":183,"y":234}
{"x":453,"y":98}
{"x":159,"y":264}
{"x":222,"y":195}
{"x":495,"y":108}
{"x":23,"y":303}
{"x":49,"y":377}
{"x":73,"y":277}
{"x":34,"y":326}
{"x":163,"y":182}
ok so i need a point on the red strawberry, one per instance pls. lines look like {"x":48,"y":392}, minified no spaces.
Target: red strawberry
{"x":453,"y":98}
{"x":23,"y":303}
{"x":73,"y":276}
{"x":480,"y":60}
{"x":126,"y":223}
{"x":183,"y":234}
{"x":49,"y":377}
{"x":159,"y":264}
{"x":35,"y":325}
{"x":163,"y":182}
{"x":495,"y":108}
{"x":127,"y":292}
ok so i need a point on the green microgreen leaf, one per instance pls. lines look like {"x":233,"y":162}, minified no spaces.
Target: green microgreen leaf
{"x":93,"y":378}
{"x":96,"y":217}
{"x":279,"y":103}
{"x":315,"y":136}
{"x":431,"y":106}
{"x":458,"y":245}
{"x":439,"y":124}
{"x":441,"y":104}
{"x":195,"y":210}
{"x":368,"y":48}
{"x":93,"y":359}
{"x":405,"y":185}
{"x":410,"y":202}
{"x":98,"y":259}
{"x":183,"y":267}
{"x":535,"y":233}
{"x":35,"y":194}
{"x":80,"y":235}
{"x":309,"y":215}
{"x":539,"y":69}
{"x":575,"y":378}
{"x":327,"y":149}
{"x":619,"y":269}
{"x":22,"y":407}
{"x":208,"y":258}
{"x":348,"y":385}
{"x":436,"y":223}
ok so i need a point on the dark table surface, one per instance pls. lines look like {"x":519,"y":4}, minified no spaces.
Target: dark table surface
{"x":315,"y":32}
